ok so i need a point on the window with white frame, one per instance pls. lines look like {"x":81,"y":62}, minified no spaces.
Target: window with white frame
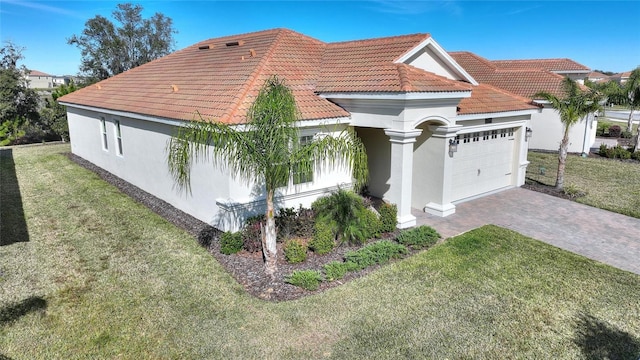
{"x":103,"y":130}
{"x":301,"y":176}
{"x":118,"y":137}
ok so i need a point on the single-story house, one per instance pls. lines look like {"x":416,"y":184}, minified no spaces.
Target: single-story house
{"x":434,"y":135}
{"x":528,"y":77}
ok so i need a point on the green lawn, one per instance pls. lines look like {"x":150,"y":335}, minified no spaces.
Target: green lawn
{"x":610,"y":184}
{"x":92,"y":274}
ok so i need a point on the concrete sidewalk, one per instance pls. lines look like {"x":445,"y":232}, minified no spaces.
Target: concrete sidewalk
{"x":601,"y":235}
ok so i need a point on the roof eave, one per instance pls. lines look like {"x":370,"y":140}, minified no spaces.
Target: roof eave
{"x":479,"y":116}
{"x":431,"y":95}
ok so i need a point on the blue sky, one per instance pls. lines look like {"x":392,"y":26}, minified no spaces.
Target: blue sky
{"x":599,"y":34}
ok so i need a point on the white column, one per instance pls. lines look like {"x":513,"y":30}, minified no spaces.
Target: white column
{"x":401,"y":173}
{"x":442,"y":166}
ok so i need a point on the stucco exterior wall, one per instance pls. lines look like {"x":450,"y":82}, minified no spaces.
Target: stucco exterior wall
{"x":379,"y":160}
{"x":217,"y":197}
{"x":547,"y":132}
{"x":40,"y":82}
{"x":428,"y":60}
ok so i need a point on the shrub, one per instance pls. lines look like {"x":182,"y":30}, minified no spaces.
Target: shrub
{"x":370,"y":224}
{"x":420,"y":237}
{"x":336,"y":270}
{"x":230,"y":243}
{"x":603,"y":127}
{"x":376,"y":253}
{"x":603,"y":150}
{"x":252,"y":235}
{"x":573,"y":191}
{"x":285,"y":223}
{"x":626,"y":134}
{"x":323,"y":241}
{"x":615,"y":131}
{"x":292,"y":223}
{"x":306,"y":279}
{"x":620,"y":153}
{"x":636,"y":155}
{"x":345,"y":209}
{"x":388,"y":217}
{"x":295,"y":251}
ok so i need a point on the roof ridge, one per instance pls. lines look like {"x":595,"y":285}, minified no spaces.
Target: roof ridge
{"x":255,"y":74}
{"x":523,"y":98}
{"x":423,"y":35}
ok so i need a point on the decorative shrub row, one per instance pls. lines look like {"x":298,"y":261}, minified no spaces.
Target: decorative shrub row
{"x":306,"y":279}
{"x":295,"y":251}
{"x":618,"y":152}
{"x":388,"y":217}
{"x":420,"y":237}
{"x":324,"y":235}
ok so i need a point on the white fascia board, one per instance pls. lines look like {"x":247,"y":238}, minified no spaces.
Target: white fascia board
{"x":400,"y":96}
{"x":175,"y":122}
{"x":496,"y":115}
{"x":570,"y":72}
{"x":442,"y":54}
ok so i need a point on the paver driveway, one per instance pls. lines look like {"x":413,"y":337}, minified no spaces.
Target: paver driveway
{"x":598,"y":234}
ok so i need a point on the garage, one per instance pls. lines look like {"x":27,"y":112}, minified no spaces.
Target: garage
{"x":484,"y":162}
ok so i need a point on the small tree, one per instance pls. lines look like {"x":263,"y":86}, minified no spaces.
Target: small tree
{"x":53,"y":117}
{"x":267,"y":151}
{"x":573,"y":107}
{"x":632,"y":92}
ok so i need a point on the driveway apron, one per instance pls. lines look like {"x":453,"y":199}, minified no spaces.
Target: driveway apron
{"x":601,"y":235}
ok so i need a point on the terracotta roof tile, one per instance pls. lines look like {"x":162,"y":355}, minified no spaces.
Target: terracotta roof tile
{"x":546,"y":64}
{"x":220,"y":80}
{"x":522,"y":82}
{"x":488,"y":99}
{"x":37,"y":73}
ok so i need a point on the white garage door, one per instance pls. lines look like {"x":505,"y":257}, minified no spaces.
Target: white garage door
{"x":483,"y":163}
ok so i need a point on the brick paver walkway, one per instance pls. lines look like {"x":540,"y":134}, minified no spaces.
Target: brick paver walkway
{"x":601,"y":235}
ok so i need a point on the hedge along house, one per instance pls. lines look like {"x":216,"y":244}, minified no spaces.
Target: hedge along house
{"x":433,"y":135}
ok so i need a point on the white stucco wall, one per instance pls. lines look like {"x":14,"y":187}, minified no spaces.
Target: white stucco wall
{"x":428,"y":60}
{"x":40,"y":82}
{"x":548,"y":131}
{"x":216,"y":197}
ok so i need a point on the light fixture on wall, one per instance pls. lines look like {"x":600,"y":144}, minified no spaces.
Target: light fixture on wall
{"x":453,"y":147}
{"x":527,"y":134}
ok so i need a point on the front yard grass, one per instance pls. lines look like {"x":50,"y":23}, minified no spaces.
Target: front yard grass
{"x":609,"y":184}
{"x":100,"y":276}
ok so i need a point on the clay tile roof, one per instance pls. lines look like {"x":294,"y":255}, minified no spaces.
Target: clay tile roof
{"x":37,"y":73}
{"x":488,"y":99}
{"x":220,"y":78}
{"x":546,"y":64}
{"x":368,"y":66}
{"x":524,"y":82}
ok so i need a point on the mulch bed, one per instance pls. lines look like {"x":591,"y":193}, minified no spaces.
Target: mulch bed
{"x":247,"y":268}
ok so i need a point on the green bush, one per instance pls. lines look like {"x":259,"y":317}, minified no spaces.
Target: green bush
{"x":603,"y":150}
{"x":295,"y":251}
{"x":603,"y":128}
{"x":342,"y":208}
{"x":573,"y":191}
{"x":388,"y":217}
{"x":336,"y":270}
{"x":626,"y":134}
{"x":306,"y":279}
{"x":370,"y":224}
{"x":376,"y":253}
{"x":323,"y":241}
{"x":230,"y":243}
{"x":636,"y":155}
{"x":617,"y":152}
{"x":420,"y":237}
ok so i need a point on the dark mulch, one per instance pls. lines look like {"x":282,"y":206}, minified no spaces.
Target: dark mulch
{"x":546,"y":189}
{"x":246,"y":268}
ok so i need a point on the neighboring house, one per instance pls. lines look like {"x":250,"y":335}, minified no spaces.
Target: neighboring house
{"x":39,"y":80}
{"x":528,"y":77}
{"x":405,"y":97}
{"x":596,"y":76}
{"x":621,"y":78}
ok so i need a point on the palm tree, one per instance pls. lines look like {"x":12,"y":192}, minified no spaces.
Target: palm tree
{"x":266,"y":150}
{"x":573,"y":107}
{"x":632,"y":92}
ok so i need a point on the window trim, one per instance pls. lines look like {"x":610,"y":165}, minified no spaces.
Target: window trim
{"x":298,"y":178}
{"x":103,"y":133}
{"x":118,"y":136}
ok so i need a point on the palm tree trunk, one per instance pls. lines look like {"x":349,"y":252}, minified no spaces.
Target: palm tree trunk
{"x":562,"y":160}
{"x":630,"y":121}
{"x":269,"y":248}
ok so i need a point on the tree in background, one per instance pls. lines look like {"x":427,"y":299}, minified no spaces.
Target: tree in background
{"x":267,"y":152}
{"x":109,"y":49}
{"x":18,"y":103}
{"x":573,"y":107}
{"x":53,"y":117}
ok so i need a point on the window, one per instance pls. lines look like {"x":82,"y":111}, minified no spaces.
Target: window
{"x":467,"y":138}
{"x":476,"y":136}
{"x":494,"y":134}
{"x":103,"y":129}
{"x":118,"y":137}
{"x":301,"y":176}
